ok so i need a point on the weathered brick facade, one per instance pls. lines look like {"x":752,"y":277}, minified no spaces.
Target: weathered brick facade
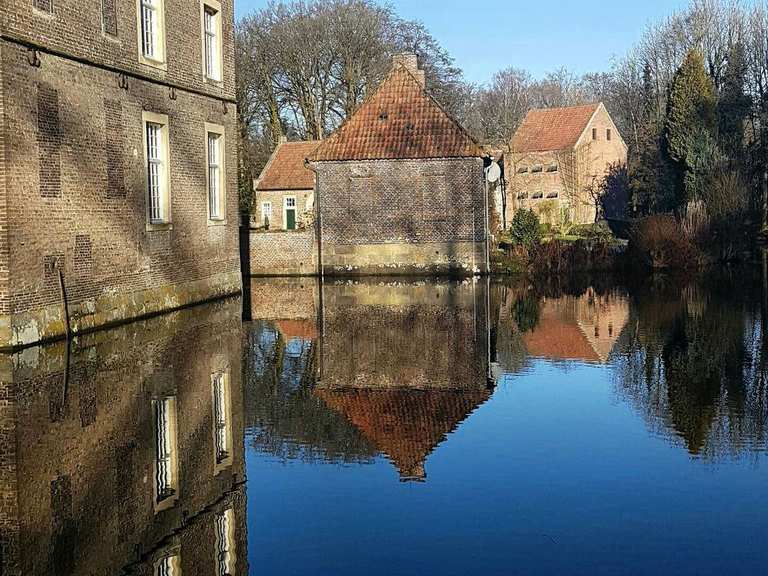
{"x":402,"y":216}
{"x":400,"y":187}
{"x":558,"y":162}
{"x":78,"y":455}
{"x":73,"y":191}
{"x":282,"y":253}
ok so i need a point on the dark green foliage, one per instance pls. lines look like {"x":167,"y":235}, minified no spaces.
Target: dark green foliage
{"x":691,"y":129}
{"x":524,"y":229}
{"x":527,"y":312}
{"x":734,"y":106}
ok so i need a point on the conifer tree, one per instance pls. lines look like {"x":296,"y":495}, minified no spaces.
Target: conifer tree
{"x":734,"y":106}
{"x":691,"y":128}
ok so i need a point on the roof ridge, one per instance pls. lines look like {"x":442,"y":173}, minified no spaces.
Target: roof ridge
{"x":339,"y":133}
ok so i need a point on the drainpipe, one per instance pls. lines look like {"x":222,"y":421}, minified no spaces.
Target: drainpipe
{"x":64,"y":304}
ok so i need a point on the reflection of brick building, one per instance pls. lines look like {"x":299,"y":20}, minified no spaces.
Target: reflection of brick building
{"x":118,"y":169}
{"x":400,"y":186}
{"x":406,"y":364}
{"x":584,"y":328}
{"x":134,"y":437}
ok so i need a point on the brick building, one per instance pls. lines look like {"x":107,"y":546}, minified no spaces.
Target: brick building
{"x":118,"y":193}
{"x":405,"y":362}
{"x":400,"y":186}
{"x":123,"y":451}
{"x":558,"y":161}
{"x":284,"y":191}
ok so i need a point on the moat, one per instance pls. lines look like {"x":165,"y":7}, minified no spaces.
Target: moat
{"x":399,"y":426}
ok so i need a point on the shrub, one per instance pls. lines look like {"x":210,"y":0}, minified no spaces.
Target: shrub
{"x":599,"y":231}
{"x":661,"y":242}
{"x":524,"y":229}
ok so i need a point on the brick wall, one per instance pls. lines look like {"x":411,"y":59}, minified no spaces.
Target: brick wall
{"x":402,"y":216}
{"x":82,"y":428}
{"x":281,"y":253}
{"x":75,"y":174}
{"x":390,"y":334}
{"x":284,"y":298}
{"x":82,"y":29}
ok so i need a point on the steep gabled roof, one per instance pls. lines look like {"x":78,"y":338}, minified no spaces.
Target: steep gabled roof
{"x":286,"y":170}
{"x":552,"y":129}
{"x":399,"y":121}
{"x":405,"y":424}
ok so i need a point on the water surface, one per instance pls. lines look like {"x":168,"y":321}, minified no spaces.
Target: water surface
{"x":399,"y":426}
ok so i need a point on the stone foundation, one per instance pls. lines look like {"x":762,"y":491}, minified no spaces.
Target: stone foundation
{"x":434,"y":258}
{"x":109,"y":308}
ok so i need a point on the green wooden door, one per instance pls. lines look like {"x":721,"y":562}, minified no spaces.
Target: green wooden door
{"x":290,"y":213}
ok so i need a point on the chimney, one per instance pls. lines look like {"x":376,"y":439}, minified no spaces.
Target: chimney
{"x":411,"y":63}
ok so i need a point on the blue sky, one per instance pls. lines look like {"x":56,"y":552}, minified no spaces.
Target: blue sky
{"x":538,"y":36}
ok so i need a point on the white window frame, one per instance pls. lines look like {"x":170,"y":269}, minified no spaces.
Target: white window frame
{"x":226,"y":557}
{"x":163,"y":159}
{"x":220,"y":186}
{"x":266,"y":204}
{"x":213,"y":64}
{"x":221,"y":405}
{"x":166,"y":452}
{"x":157,"y":58}
{"x":285,"y":211}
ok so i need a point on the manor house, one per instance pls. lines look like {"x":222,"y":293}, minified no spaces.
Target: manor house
{"x":118,"y":182}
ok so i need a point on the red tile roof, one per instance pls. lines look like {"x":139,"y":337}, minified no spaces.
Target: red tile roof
{"x":400,"y":120}
{"x":286,"y":170}
{"x":552,"y":129}
{"x":405,"y":424}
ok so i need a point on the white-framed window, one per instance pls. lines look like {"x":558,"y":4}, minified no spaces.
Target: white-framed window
{"x":225,"y":543}
{"x":157,"y":157}
{"x":210,"y":14}
{"x":166,"y":451}
{"x":151,"y":26}
{"x":222,"y":425}
{"x":168,"y":565}
{"x":215,"y":177}
{"x":266,"y":214}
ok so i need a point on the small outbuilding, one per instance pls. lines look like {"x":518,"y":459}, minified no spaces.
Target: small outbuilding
{"x":284,"y":191}
{"x":559,"y":160}
{"x":400,"y":186}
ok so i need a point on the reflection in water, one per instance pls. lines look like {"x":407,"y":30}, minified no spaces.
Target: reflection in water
{"x":112,"y":450}
{"x":351,"y":370}
{"x":695,"y":364}
{"x":123,"y":452}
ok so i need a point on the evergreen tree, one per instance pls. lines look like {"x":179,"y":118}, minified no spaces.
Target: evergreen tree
{"x":691,"y":129}
{"x":734,"y":105}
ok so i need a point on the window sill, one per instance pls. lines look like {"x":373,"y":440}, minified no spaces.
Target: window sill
{"x":217,"y":222}
{"x":44,"y":13}
{"x":157,"y":64}
{"x":159,"y":227}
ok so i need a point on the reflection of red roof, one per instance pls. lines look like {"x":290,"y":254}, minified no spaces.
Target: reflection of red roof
{"x":301,"y":329}
{"x":558,"y":340}
{"x":400,"y":120}
{"x":407,"y":425}
{"x":552,"y":129}
{"x":286,"y":169}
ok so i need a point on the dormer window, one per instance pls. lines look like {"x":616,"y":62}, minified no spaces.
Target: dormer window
{"x":538,"y":195}
{"x":552,"y":168}
{"x":522,"y":170}
{"x":537,"y":169}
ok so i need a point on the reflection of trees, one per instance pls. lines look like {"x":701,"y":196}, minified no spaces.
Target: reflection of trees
{"x":284,"y":417}
{"x":696,"y":364}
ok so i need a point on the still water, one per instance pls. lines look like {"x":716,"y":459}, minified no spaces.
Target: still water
{"x":398,"y":427}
